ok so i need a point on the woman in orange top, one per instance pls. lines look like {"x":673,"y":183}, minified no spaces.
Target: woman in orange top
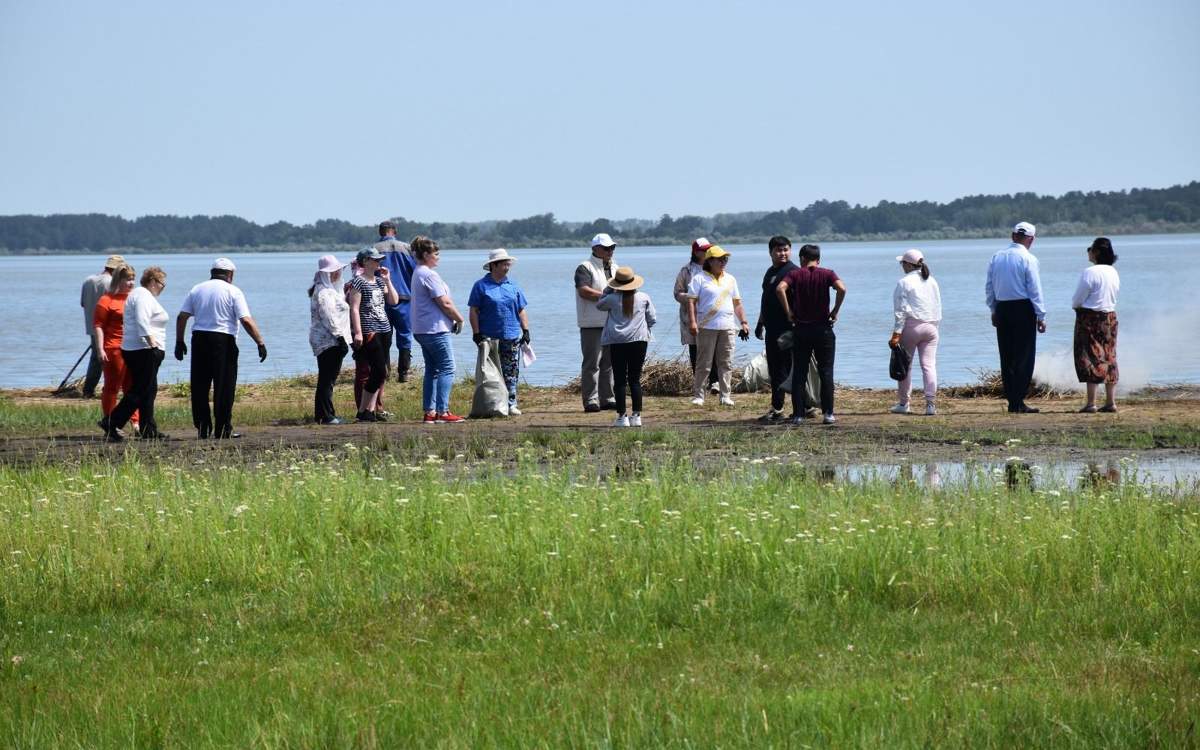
{"x":109,"y":327}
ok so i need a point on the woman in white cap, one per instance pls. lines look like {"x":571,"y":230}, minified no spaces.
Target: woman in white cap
{"x":627,"y":332}
{"x":715,"y":316}
{"x":328,"y":333}
{"x":371,"y":329}
{"x":917,"y":306}
{"x":497,"y":311}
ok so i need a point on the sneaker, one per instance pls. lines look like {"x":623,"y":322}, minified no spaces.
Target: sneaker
{"x":621,"y":421}
{"x":635,"y":420}
{"x":829,"y":419}
{"x":726,"y":401}
{"x":591,"y":408}
{"x":771,"y":417}
{"x":797,"y":419}
{"x":901,"y":409}
{"x":930,"y":410}
{"x":714,"y":388}
{"x":333,"y":420}
{"x":513,"y":411}
{"x":698,"y":401}
{"x":812,"y":412}
{"x":449,"y":418}
{"x":366,"y":416}
{"x":155,"y":436}
{"x":382,"y":416}
{"x":430,"y":419}
{"x":114,"y":436}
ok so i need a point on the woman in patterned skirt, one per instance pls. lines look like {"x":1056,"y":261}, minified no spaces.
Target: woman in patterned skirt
{"x":1095,"y":303}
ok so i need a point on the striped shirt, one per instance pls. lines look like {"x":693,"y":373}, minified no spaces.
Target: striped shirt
{"x":372,"y":317}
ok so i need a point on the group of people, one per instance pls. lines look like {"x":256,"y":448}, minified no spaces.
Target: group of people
{"x":394,"y":294}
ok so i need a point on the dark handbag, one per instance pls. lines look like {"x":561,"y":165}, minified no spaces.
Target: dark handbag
{"x":898,"y":367}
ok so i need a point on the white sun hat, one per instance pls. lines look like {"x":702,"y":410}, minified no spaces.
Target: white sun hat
{"x":497,"y":255}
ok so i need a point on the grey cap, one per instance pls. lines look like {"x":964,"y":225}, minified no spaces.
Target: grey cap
{"x":368,"y":253}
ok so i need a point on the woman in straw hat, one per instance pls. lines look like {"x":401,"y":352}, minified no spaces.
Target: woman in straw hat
{"x":328,"y":333}
{"x":626,"y":333}
{"x":497,"y":311}
{"x":715,"y":313}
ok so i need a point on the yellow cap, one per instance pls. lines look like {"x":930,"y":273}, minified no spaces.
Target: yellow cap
{"x":716,"y":251}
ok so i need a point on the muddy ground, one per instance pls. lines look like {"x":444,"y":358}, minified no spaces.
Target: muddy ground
{"x":1160,"y":424}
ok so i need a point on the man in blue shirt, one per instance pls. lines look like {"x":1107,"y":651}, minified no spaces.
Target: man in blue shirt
{"x":1014,"y":295}
{"x":398,"y":260}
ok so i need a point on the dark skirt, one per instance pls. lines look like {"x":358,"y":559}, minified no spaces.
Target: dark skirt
{"x":1096,"y":346}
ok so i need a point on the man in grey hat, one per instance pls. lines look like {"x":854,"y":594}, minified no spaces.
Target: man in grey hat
{"x":93,"y":289}
{"x":398,"y":260}
{"x":591,"y":278}
{"x":219,"y":308}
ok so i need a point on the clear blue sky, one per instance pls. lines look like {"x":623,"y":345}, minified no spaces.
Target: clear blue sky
{"x":474,"y":110}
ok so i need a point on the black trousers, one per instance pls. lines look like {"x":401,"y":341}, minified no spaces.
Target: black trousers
{"x":94,"y":370}
{"x":1016,"y":335}
{"x":779,"y":364}
{"x":214,"y":367}
{"x":329,"y":364}
{"x":375,"y":353}
{"x":813,"y":340}
{"x":143,"y":367}
{"x":712,"y":374}
{"x":627,"y":362}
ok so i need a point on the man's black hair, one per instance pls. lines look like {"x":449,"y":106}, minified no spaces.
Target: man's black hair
{"x":777,"y":241}
{"x":810,"y":252}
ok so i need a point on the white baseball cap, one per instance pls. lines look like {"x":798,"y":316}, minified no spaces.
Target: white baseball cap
{"x":1026,"y":229}
{"x":912,"y":256}
{"x":603,"y":240}
{"x":223,"y":264}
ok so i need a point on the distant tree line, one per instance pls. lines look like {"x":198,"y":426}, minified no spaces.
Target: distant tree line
{"x":1175,"y":208}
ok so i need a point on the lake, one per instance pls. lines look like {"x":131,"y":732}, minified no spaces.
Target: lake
{"x":1159,"y":307}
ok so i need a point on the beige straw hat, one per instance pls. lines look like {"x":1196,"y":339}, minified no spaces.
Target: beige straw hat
{"x":626,"y":280}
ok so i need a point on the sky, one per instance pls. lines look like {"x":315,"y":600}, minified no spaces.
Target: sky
{"x":464,"y":111}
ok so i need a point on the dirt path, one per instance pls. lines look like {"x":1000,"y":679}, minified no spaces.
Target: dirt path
{"x":865,"y":431}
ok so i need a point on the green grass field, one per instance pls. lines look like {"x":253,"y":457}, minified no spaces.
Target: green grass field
{"x":353,"y":600}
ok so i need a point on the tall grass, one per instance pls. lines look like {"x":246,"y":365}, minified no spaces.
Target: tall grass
{"x":352,"y":601}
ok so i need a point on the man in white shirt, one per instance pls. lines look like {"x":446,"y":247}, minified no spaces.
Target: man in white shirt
{"x":1014,"y":295}
{"x":591,"y":278}
{"x":94,"y":287}
{"x":218,"y":307}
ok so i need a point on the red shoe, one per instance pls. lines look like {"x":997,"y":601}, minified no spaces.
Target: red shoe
{"x":430,"y":419}
{"x":449,"y":418}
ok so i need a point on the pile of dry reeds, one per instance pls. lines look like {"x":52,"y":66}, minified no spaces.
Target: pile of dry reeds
{"x":990,"y":385}
{"x":672,"y":377}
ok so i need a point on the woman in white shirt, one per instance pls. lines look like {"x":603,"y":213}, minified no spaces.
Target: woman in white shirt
{"x":143,"y":345}
{"x":1095,"y":303}
{"x":328,"y":333}
{"x":714,"y":312}
{"x":917,"y":307}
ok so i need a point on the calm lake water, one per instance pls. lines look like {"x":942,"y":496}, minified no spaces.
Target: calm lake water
{"x":1159,"y":307}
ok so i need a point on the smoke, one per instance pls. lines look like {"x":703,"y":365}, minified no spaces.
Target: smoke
{"x":1157,"y":348}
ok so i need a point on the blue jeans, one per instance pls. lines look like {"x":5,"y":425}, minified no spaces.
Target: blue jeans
{"x":439,"y":371}
{"x":398,"y":316}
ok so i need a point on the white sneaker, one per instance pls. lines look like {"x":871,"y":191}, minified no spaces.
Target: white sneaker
{"x":635,"y":420}
{"x":621,"y":421}
{"x":513,"y":411}
{"x":726,"y":401}
{"x":930,"y":410}
{"x":829,"y":419}
{"x":901,"y":409}
{"x":698,"y":401}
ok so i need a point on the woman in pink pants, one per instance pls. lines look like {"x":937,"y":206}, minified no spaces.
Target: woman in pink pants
{"x":917,"y":303}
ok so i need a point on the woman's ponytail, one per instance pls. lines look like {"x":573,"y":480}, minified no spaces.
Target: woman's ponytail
{"x":924,"y":269}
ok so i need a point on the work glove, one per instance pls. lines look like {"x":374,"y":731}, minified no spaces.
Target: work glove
{"x":262,"y":352}
{"x":180,"y":350}
{"x":744,"y":335}
{"x":477,"y":338}
{"x":524,"y":335}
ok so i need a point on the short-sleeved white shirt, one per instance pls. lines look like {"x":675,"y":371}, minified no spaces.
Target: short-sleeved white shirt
{"x":714,"y":301}
{"x":217,"y":306}
{"x":1098,"y":288}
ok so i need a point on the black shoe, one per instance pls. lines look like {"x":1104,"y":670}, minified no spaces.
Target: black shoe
{"x":203,"y":432}
{"x":591,"y":408}
{"x":1025,"y":409}
{"x":228,"y":435}
{"x":609,"y":406}
{"x":382,"y":416}
{"x":103,"y":424}
{"x":366,"y":416}
{"x":114,"y":436}
{"x":156,"y":435}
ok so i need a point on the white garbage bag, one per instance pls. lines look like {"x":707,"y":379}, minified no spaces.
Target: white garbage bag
{"x":756,"y":377}
{"x":491,"y":395}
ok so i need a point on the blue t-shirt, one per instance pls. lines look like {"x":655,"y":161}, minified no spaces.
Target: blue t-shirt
{"x":498,"y":305}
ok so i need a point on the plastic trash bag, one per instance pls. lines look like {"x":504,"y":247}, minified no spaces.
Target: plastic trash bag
{"x":491,"y":395}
